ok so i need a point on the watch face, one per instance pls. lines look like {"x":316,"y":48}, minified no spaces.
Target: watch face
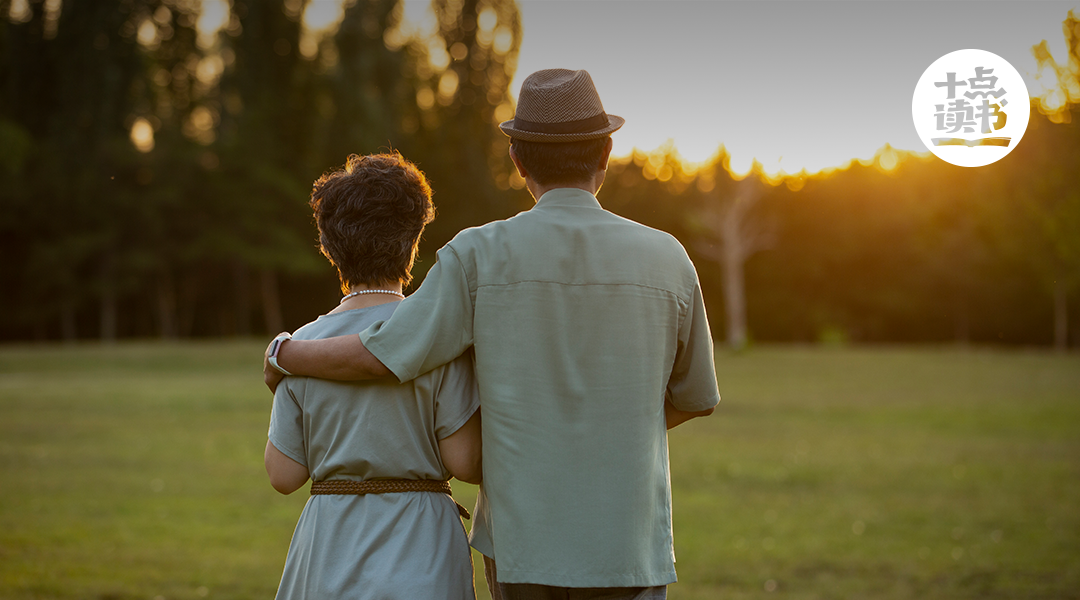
{"x":274,"y":347}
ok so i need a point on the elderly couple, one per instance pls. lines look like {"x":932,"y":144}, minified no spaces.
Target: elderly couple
{"x":566,"y":339}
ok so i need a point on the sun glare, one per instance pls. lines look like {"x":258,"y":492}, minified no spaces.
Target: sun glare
{"x":888,"y":159}
{"x":322,"y":15}
{"x":142,"y":135}
{"x":741,"y":164}
{"x":19,"y":11}
{"x":214,"y":16}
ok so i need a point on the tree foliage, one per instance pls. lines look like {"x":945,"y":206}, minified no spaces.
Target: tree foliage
{"x":155,"y":183}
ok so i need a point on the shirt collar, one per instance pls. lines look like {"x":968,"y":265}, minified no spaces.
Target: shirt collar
{"x":568,"y":197}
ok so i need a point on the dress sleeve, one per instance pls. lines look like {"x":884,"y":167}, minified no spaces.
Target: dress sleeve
{"x":287,"y":421}
{"x":692,"y":386}
{"x":431,"y":327}
{"x":458,"y":396}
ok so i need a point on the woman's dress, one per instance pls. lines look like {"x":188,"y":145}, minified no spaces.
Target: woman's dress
{"x":402,"y":545}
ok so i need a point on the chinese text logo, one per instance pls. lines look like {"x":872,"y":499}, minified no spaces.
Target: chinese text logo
{"x":970,"y":108}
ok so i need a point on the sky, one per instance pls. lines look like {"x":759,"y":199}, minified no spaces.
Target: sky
{"x":796,"y":85}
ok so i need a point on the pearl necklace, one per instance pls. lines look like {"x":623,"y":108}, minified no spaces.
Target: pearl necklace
{"x":391,"y":292}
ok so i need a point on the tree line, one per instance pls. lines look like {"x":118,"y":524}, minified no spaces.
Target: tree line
{"x":155,"y":184}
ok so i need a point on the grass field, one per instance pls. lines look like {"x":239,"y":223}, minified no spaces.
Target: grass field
{"x":136,"y":472}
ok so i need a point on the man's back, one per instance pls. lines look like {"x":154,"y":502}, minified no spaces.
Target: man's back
{"x":578,"y":318}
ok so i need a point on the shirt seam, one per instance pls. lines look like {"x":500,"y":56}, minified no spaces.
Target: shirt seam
{"x":618,"y":283}
{"x":351,"y":312}
{"x":275,"y":439}
{"x":636,"y":578}
{"x":462,"y":419}
{"x":402,"y":373}
{"x":472,"y":290}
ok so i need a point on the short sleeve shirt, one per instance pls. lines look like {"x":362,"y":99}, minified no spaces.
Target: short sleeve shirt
{"x":582,"y":322}
{"x":370,"y":430}
{"x":382,"y":545}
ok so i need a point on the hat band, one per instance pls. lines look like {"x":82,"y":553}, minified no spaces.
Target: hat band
{"x":591,"y":124}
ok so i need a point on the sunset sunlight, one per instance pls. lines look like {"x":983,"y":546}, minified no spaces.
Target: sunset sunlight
{"x":800,"y":102}
{"x":796,"y":86}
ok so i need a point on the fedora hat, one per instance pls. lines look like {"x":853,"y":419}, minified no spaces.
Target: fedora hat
{"x":559,"y":105}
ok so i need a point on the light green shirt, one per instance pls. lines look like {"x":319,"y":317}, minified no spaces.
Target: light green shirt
{"x":581,"y":322}
{"x":404,"y":545}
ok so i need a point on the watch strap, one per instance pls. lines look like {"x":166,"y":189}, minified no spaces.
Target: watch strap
{"x":275,"y":347}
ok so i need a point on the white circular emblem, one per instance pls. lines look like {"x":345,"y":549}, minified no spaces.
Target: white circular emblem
{"x":970,"y":108}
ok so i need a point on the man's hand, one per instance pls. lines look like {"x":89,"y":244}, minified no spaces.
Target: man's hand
{"x":271,"y":376}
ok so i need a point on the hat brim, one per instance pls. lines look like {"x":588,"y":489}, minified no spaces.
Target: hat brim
{"x":508,"y":128}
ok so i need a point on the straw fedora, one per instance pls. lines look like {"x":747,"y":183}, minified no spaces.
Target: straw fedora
{"x":559,"y":105}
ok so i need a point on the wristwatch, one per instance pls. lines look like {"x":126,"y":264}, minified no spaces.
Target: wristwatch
{"x":275,"y":347}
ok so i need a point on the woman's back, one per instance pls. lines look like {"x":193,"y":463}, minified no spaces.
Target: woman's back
{"x":399,"y":545}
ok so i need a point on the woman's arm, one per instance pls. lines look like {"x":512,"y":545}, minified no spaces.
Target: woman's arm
{"x":286,"y":475}
{"x":462,"y":453}
{"x":676,"y":417}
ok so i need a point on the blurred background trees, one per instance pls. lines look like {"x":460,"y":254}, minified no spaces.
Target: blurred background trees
{"x":154,"y":177}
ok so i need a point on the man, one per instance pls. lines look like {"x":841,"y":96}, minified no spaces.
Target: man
{"x":590,"y":340}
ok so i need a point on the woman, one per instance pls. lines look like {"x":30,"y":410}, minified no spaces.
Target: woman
{"x":387,"y":544}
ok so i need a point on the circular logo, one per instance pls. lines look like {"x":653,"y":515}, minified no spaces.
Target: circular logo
{"x":970,"y":108}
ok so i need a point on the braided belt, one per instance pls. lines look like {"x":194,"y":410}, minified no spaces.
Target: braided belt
{"x":385,"y":486}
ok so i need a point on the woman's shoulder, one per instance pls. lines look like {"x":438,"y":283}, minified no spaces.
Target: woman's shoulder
{"x":346,"y":322}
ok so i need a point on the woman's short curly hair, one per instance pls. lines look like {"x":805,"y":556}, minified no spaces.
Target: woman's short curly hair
{"x":370,"y":215}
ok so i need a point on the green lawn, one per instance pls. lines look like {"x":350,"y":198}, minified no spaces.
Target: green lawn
{"x":136,"y":472}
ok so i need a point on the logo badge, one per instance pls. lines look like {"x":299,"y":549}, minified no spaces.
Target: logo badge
{"x":970,"y":108}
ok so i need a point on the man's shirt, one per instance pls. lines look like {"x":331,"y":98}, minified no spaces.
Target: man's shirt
{"x":581,"y":322}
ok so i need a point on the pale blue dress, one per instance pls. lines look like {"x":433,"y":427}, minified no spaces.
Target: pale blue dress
{"x":378,"y":546}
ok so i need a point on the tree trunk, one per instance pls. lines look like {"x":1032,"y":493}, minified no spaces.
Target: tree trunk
{"x":734,"y":288}
{"x":1061,"y":317}
{"x":741,"y":236}
{"x":241,"y":283}
{"x":271,"y":302}
{"x":962,"y":324}
{"x":68,"y":330}
{"x":737,"y":239}
{"x":108,"y":315}
{"x":166,"y":304}
{"x":187,"y":298}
